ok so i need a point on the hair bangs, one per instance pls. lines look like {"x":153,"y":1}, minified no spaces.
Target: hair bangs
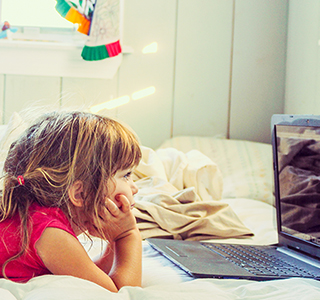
{"x":126,"y":153}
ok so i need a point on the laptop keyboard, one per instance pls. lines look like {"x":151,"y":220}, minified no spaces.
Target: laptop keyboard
{"x":257,"y":261}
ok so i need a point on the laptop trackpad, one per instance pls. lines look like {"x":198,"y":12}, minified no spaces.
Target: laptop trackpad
{"x":202,"y":262}
{"x":195,"y":250}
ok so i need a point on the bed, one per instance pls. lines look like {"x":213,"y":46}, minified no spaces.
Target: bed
{"x":192,"y":188}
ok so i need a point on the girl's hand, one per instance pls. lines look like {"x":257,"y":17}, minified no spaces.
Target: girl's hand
{"x":117,"y":219}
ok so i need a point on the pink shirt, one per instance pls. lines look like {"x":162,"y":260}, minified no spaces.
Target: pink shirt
{"x":30,"y":264}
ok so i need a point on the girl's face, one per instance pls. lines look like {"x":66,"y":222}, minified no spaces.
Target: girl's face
{"x":123,"y":185}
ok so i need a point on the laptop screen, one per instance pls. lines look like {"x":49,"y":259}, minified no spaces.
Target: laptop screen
{"x":298,"y":154}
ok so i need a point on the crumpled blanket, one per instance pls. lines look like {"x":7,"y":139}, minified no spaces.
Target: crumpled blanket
{"x":179,"y":197}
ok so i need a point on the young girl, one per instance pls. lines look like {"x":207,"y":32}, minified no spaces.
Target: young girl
{"x":67,"y":174}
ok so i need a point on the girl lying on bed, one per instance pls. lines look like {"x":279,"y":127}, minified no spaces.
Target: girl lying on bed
{"x":67,"y":174}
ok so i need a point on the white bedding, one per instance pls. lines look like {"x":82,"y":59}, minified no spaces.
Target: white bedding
{"x":246,"y":169}
{"x":62,"y":287}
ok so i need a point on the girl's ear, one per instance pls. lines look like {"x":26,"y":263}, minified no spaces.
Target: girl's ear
{"x":75,"y":193}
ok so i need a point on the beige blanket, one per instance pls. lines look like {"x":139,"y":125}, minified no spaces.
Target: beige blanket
{"x":179,"y":197}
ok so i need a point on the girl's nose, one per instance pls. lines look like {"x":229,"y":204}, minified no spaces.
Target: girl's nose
{"x":134,"y":188}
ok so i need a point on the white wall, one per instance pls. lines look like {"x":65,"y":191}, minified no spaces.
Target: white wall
{"x":258,"y":67}
{"x":202,"y":74}
{"x":303,"y":60}
{"x":219,"y":69}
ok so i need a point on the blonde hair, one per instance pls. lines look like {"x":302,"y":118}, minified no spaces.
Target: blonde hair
{"x":58,"y":150}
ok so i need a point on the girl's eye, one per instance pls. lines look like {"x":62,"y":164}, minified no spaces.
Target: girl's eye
{"x":127,"y":176}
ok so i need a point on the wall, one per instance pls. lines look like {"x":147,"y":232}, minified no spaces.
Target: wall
{"x":219,"y":69}
{"x":303,"y":63}
{"x":258,"y":84}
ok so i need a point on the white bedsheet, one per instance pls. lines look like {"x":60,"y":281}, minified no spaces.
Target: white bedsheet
{"x":163,"y":280}
{"x":51,"y":287}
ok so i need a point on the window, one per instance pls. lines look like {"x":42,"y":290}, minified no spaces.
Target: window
{"x":39,"y":13}
{"x":47,"y":44}
{"x":38,"y":20}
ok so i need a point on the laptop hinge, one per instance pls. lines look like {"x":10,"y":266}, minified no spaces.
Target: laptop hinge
{"x":299,"y":256}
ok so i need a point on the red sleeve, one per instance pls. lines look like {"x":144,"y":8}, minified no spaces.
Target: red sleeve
{"x":42,"y":218}
{"x":30,"y":264}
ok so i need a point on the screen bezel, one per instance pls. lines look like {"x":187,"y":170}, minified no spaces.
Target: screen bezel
{"x":286,"y":239}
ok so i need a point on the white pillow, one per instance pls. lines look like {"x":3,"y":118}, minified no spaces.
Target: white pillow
{"x":246,"y":166}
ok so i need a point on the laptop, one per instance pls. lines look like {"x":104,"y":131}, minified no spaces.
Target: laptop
{"x":296,"y":164}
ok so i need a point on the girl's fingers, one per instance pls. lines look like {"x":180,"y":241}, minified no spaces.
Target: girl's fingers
{"x":112,"y":208}
{"x":116,"y":221}
{"x":125,"y":204}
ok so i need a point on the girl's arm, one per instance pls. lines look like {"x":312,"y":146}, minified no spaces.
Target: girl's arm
{"x":105,"y":261}
{"x":117,"y":261}
{"x":125,"y":241}
{"x":63,"y":254}
{"x":126,"y":269}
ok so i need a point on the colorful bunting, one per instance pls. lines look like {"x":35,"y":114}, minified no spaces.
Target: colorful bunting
{"x":100,"y":20}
